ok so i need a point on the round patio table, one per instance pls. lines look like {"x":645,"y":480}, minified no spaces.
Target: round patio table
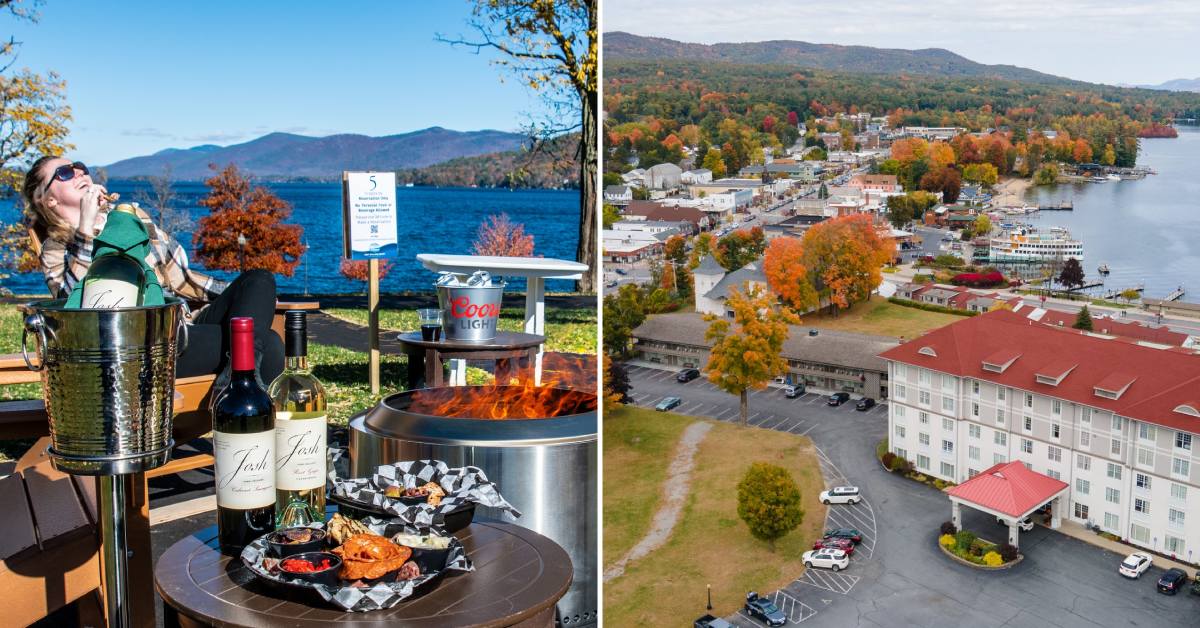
{"x":519,"y":576}
{"x":515,"y":354}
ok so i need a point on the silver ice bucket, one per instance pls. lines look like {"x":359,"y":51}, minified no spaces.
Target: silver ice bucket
{"x":470,"y":313}
{"x":108,"y":379}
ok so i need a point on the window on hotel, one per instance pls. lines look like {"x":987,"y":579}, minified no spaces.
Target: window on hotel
{"x":1054,"y":474}
{"x":948,"y":469}
{"x":1141,"y":505}
{"x":973,"y":452}
{"x":1147,"y":431}
{"x":1114,"y":471}
{"x":923,"y":417}
{"x":1116,"y":447}
{"x":973,"y":431}
{"x":948,"y":425}
{"x":975,"y":410}
{"x":999,"y":416}
{"x":947,"y":447}
{"x":972,"y":473}
{"x":998,"y":459}
{"x":1118,"y":424}
{"x":1145,"y":457}
{"x":1175,"y":517}
{"x":1141,"y":534}
{"x":1112,"y":495}
{"x":1142,"y":481}
{"x":1179,"y":492}
{"x":1000,"y":438}
{"x":923,"y":397}
{"x":1086,"y":416}
{"x":899,"y":411}
{"x":948,"y":404}
{"x":1056,"y":406}
{"x":901,"y":392}
{"x":1054,"y":453}
{"x":1111,"y":522}
{"x":1081,"y":511}
{"x":923,"y":462}
{"x":1028,"y":424}
{"x":1001,"y":392}
{"x":902,"y":453}
{"x":1083,"y":462}
{"x":901,"y":371}
{"x":1026,"y":445}
{"x":1028,"y":400}
{"x":1174,"y":544}
{"x":1083,"y":487}
{"x":948,"y":383}
{"x":1183,"y":440}
{"x":1085,"y":439}
{"x":923,"y":377}
{"x":923,"y":438}
{"x":899,"y":431}
{"x":1055,"y":430}
{"x":1180,"y":467}
{"x":975,"y":387}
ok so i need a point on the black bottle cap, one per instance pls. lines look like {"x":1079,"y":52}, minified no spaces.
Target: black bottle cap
{"x":295,"y":333}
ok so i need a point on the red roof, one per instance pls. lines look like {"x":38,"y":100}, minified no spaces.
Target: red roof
{"x":1136,"y":331}
{"x":1165,"y":379}
{"x":1009,"y":488}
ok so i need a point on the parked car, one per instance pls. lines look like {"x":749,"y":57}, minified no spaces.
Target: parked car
{"x":834,"y":559}
{"x":1172,"y":581}
{"x":845,"y":533}
{"x":841,"y":495}
{"x":708,"y":621}
{"x":835,"y":542}
{"x":791,"y":392}
{"x":668,"y":403}
{"x":866,"y":403}
{"x":837,"y":399}
{"x":687,"y":375}
{"x":1025,"y":524}
{"x":1134,"y":565}
{"x":619,"y":271}
{"x":761,"y":608}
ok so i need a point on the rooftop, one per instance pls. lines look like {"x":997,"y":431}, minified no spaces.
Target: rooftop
{"x":1009,"y":488}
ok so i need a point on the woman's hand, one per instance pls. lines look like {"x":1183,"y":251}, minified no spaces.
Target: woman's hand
{"x":89,"y":209}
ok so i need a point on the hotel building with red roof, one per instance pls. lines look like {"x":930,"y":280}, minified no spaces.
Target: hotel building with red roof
{"x":1117,"y":421}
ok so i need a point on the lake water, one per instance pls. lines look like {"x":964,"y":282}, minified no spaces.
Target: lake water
{"x":432,"y":220}
{"x":1147,"y":231}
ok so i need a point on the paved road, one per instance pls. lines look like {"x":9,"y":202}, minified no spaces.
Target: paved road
{"x":901,"y":578}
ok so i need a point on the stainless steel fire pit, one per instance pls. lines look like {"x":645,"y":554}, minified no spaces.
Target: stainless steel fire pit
{"x":546,"y":467}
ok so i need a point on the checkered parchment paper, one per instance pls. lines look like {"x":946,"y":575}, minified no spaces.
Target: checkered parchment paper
{"x":381,"y":595}
{"x":462,"y":485}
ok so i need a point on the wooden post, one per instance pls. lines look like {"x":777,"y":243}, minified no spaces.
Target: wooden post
{"x":373,"y":322}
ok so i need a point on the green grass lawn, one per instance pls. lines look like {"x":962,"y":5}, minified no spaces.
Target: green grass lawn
{"x":881,"y":318}
{"x":710,"y":544}
{"x":567,"y":330}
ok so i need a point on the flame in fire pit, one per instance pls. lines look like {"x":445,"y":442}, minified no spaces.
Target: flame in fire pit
{"x":560,"y":394}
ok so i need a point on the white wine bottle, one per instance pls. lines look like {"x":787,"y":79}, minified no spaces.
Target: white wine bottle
{"x":300,"y":429}
{"x":243,"y":448}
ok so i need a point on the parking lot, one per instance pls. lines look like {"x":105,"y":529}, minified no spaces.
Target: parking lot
{"x":898,"y":577}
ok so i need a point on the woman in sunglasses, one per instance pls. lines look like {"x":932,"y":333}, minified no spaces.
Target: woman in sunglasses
{"x":64,"y":209}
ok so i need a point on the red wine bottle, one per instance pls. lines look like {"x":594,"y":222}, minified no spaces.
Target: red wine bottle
{"x":243,"y":448}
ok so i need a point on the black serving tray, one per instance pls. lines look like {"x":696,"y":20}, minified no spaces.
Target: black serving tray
{"x":454,"y":521}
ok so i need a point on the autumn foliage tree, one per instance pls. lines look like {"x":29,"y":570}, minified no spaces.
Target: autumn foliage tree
{"x":236,"y":207}
{"x":741,"y":247}
{"x":846,"y":256}
{"x":359,"y":270}
{"x":502,"y":237}
{"x":769,"y":502}
{"x":746,"y":351}
{"x":787,"y":276}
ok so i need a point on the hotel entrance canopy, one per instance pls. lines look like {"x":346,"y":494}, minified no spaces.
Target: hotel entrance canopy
{"x":1010,"y":491}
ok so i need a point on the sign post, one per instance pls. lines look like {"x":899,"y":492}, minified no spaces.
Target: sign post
{"x":369,"y":232}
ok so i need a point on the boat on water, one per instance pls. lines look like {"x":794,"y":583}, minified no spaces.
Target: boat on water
{"x":1026,"y":244}
{"x":408,"y":185}
{"x":1103,"y":269}
{"x":1099,"y":179}
{"x":1020,"y":211}
{"x":1113,"y":177}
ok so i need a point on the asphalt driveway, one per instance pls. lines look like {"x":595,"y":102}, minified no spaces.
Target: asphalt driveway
{"x":899,"y":577}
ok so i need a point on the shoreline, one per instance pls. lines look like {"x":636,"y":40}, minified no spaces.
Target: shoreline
{"x":1011,"y":191}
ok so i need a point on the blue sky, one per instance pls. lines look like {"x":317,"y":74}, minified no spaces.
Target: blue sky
{"x":143,"y":76}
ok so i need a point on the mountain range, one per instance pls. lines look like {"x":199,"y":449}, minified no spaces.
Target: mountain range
{"x":1174,"y":85}
{"x":858,"y":59}
{"x":290,"y":156}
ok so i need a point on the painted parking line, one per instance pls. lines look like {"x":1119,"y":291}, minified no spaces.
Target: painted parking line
{"x":689,"y":408}
{"x":797,"y":425}
{"x":791,"y":607}
{"x":774,"y":425}
{"x":882,"y":408}
{"x":750,"y":419}
{"x":722,"y":414}
{"x":828,"y":580}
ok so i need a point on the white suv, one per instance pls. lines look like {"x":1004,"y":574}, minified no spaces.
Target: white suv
{"x":828,"y":558}
{"x":841,"y":495}
{"x":1025,"y":524}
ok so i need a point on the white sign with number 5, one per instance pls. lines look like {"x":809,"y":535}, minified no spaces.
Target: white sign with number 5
{"x":369,"y":202}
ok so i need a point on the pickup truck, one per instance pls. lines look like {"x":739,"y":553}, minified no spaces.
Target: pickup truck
{"x":708,"y":621}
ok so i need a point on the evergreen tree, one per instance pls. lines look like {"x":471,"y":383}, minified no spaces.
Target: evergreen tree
{"x":1083,"y":320}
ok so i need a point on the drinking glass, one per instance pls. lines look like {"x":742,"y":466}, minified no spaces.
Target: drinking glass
{"x":431,"y":323}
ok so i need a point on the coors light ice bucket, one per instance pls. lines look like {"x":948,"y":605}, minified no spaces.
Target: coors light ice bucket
{"x":471,"y":308}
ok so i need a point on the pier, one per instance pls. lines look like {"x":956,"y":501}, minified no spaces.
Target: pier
{"x":1175,"y":295}
{"x":1064,"y":206}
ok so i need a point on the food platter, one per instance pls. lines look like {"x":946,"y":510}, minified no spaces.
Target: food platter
{"x":452,"y":520}
{"x":365,"y":545}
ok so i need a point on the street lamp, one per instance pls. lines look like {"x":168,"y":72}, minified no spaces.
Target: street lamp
{"x":709,"y":596}
{"x":242,"y":251}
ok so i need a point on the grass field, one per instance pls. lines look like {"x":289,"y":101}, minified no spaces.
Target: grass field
{"x":709,"y":545}
{"x":567,"y":330}
{"x":881,"y":318}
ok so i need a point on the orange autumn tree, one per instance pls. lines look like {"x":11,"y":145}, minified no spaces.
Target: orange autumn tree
{"x":847,"y":256}
{"x":747,"y":350}
{"x":668,"y":278}
{"x":238,"y":208}
{"x":359,"y":270}
{"x":787,"y":275}
{"x":502,"y":237}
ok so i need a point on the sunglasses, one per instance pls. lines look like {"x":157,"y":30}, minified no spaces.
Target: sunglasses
{"x":65,"y":172}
